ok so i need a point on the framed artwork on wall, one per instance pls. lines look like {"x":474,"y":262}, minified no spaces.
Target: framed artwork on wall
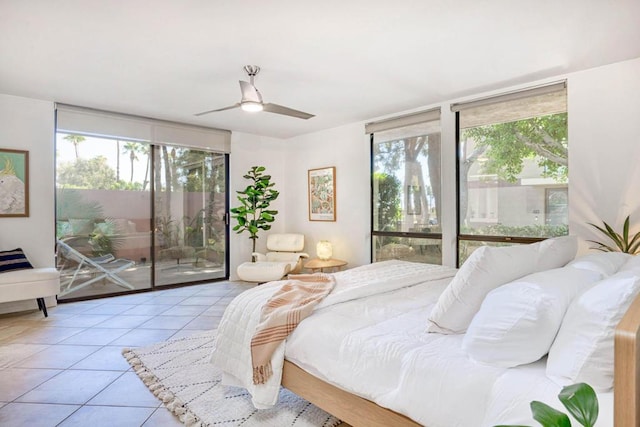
{"x":322,"y":194}
{"x":14,"y":183}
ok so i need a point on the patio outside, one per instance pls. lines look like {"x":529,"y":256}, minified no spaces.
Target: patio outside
{"x":124,"y":208}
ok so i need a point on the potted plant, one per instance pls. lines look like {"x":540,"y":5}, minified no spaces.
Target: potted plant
{"x":622,"y":242}
{"x":254,"y":214}
{"x":581,"y":402}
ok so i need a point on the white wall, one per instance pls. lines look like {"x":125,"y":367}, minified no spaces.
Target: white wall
{"x":28,"y":124}
{"x":604,"y":158}
{"x":604,"y":148}
{"x":249,"y":150}
{"x":346,"y":148}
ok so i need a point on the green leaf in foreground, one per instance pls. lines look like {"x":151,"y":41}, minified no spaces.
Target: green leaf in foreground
{"x":581,"y":402}
{"x":547,"y":416}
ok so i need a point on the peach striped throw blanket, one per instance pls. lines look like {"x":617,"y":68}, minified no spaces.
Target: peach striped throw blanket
{"x":280,"y":315}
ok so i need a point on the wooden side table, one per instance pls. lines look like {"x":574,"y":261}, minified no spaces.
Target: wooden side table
{"x":320,"y":264}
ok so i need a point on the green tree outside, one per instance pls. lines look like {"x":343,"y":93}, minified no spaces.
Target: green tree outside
{"x":75,"y":140}
{"x":93,"y":173}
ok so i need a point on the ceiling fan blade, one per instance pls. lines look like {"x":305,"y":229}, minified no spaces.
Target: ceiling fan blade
{"x":219,"y":109}
{"x":279,"y":109}
{"x":250,"y":93}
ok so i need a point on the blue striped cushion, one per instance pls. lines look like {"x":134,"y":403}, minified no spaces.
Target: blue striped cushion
{"x":13,"y":260}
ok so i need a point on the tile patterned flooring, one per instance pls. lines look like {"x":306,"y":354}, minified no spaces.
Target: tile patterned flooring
{"x":67,"y":369}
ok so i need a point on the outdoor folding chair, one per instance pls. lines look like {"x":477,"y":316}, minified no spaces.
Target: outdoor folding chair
{"x":103,"y":267}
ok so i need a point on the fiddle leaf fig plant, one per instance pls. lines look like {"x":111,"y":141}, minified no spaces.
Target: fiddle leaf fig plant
{"x":621,"y":242}
{"x":254,"y":214}
{"x":579,"y":399}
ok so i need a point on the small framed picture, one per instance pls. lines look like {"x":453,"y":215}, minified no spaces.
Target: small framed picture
{"x":14,"y":183}
{"x":322,"y":194}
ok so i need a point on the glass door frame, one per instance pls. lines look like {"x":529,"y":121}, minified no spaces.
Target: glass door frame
{"x":154,"y":235}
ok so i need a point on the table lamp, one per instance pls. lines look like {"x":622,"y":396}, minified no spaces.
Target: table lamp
{"x":324,"y":250}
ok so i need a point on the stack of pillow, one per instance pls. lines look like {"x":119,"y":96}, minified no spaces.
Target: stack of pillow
{"x":516,"y":304}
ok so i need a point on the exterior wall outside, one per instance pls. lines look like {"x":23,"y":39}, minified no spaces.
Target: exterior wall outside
{"x":512,"y":205}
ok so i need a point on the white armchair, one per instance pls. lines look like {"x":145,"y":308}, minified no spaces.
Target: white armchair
{"x":284,"y":256}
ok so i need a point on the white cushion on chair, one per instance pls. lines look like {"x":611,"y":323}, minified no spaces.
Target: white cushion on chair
{"x":263,"y":271}
{"x":285,"y":242}
{"x":283,"y":257}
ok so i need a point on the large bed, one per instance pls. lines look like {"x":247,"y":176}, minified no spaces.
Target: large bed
{"x":365,"y":356}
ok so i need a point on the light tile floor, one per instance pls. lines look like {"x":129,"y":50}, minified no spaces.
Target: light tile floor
{"x":67,"y":369}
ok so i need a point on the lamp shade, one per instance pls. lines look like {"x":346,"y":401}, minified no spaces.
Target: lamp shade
{"x":324,"y":250}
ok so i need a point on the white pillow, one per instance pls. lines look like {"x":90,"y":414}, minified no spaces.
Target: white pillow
{"x":487,"y":268}
{"x":583,"y":349}
{"x":632,"y":264}
{"x":556,"y":252}
{"x":518,"y":321}
{"x":605,"y":263}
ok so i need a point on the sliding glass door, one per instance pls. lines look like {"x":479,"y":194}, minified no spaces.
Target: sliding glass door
{"x":189,"y":208}
{"x":103,"y":215}
{"x":132,"y":216}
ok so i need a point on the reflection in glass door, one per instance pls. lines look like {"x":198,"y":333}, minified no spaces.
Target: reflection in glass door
{"x":103,"y":215}
{"x":189,"y":208}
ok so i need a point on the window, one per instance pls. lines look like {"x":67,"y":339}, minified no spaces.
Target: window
{"x":406,"y":188}
{"x":512,"y":168}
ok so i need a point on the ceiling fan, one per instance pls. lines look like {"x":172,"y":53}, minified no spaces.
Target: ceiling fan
{"x":252,"y":99}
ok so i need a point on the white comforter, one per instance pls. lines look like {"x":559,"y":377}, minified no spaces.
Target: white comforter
{"x":375,"y":345}
{"x":377,"y":348}
{"x":232,"y":350}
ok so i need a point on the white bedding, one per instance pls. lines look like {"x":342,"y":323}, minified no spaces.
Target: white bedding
{"x":376,"y":347}
{"x":232,"y":350}
{"x":368,"y":337}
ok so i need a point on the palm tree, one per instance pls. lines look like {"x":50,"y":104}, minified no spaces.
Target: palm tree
{"x":118,"y":160}
{"x":75,"y":140}
{"x":145,"y":150}
{"x":132,"y":148}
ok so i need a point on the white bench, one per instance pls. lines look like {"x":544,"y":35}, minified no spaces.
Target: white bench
{"x":38,"y":283}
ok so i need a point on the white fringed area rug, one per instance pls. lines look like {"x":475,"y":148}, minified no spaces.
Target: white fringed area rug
{"x":178,"y":372}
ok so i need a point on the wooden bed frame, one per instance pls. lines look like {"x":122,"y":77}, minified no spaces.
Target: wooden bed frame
{"x":626,"y":381}
{"x":357,"y":411}
{"x":348,"y":407}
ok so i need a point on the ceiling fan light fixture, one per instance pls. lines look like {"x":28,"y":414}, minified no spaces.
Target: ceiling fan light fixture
{"x":251,"y":106}
{"x":252,"y":100}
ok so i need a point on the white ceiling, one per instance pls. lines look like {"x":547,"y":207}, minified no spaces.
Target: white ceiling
{"x":343,"y":60}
